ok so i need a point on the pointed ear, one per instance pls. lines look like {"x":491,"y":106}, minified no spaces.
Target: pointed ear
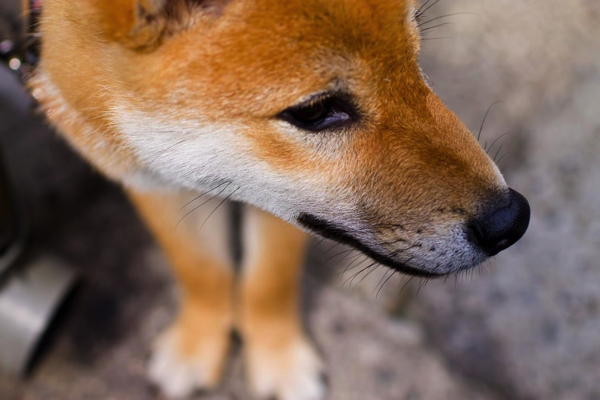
{"x":142,"y":24}
{"x":137,"y":24}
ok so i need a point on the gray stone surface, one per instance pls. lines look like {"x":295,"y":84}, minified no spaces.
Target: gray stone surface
{"x":530,"y":324}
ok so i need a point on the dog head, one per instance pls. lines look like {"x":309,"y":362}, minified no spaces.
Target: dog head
{"x":314,"y":110}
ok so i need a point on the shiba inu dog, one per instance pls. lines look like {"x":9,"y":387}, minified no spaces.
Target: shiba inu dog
{"x":314,"y":114}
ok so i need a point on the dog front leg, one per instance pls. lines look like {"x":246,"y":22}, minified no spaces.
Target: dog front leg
{"x":191,"y":353}
{"x":279,"y":359}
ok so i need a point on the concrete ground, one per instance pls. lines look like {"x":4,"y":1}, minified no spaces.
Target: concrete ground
{"x":524,"y":327}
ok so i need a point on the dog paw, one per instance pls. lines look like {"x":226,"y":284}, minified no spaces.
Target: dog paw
{"x":182,"y":364}
{"x":290,"y":372}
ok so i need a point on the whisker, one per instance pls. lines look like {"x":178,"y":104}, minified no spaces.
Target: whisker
{"x":420,"y":8}
{"x":444,"y":16}
{"x":498,"y":152}
{"x":203,"y":203}
{"x":163,"y":152}
{"x":364,"y":269}
{"x":422,"y":284}
{"x":338,"y":254}
{"x":438,"y":38}
{"x":354,"y":275}
{"x":422,"y":11}
{"x":219,"y":205}
{"x":403,"y":286}
{"x":202,"y":195}
{"x":353,"y":258}
{"x":349,"y":254}
{"x":392,"y":274}
{"x":381,"y":280}
{"x":436,"y":26}
{"x":351,"y":263}
{"x":367,"y":274}
{"x":504,"y":155}
{"x":495,"y":141}
{"x":318,"y":243}
{"x":332,"y":247}
{"x":484,"y":118}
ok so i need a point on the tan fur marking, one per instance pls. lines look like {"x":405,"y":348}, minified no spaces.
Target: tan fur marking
{"x":206,"y":317}
{"x":270,"y":281}
{"x":280,"y":361}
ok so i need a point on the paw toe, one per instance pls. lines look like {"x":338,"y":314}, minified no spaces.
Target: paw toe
{"x":291,"y":373}
{"x":178,"y":374}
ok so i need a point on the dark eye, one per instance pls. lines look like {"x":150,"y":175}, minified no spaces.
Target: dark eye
{"x":320,"y":114}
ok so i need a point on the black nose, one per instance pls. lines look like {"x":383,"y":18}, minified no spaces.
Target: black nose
{"x":499,"y":227}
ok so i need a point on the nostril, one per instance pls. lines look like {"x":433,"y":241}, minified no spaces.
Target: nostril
{"x":474,"y":233}
{"x":498,"y":228}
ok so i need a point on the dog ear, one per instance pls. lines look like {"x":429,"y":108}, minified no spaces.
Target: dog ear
{"x":142,"y":24}
{"x":135,"y":23}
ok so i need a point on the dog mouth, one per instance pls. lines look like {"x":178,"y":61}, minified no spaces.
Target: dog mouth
{"x":336,"y":233}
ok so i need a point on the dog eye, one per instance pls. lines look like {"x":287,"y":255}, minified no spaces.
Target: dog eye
{"x":320,"y":114}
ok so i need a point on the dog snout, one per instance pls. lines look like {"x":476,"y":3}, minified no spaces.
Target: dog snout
{"x":499,"y":226}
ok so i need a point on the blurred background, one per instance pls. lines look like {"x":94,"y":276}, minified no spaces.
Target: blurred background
{"x":526,"y":326}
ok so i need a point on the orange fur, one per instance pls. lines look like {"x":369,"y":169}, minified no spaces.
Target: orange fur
{"x":270,"y":282}
{"x":279,"y":357}
{"x":204,"y":323}
{"x":167,"y":96}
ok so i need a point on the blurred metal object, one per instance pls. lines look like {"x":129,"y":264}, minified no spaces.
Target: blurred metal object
{"x":28,"y":302}
{"x":30,"y":292}
{"x":11,"y":231}
{"x":7,"y":219}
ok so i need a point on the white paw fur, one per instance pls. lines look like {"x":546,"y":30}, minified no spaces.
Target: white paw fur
{"x":290,"y":372}
{"x":177,"y":373}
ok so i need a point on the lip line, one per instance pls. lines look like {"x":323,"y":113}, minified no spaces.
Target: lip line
{"x":330,"y":231}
